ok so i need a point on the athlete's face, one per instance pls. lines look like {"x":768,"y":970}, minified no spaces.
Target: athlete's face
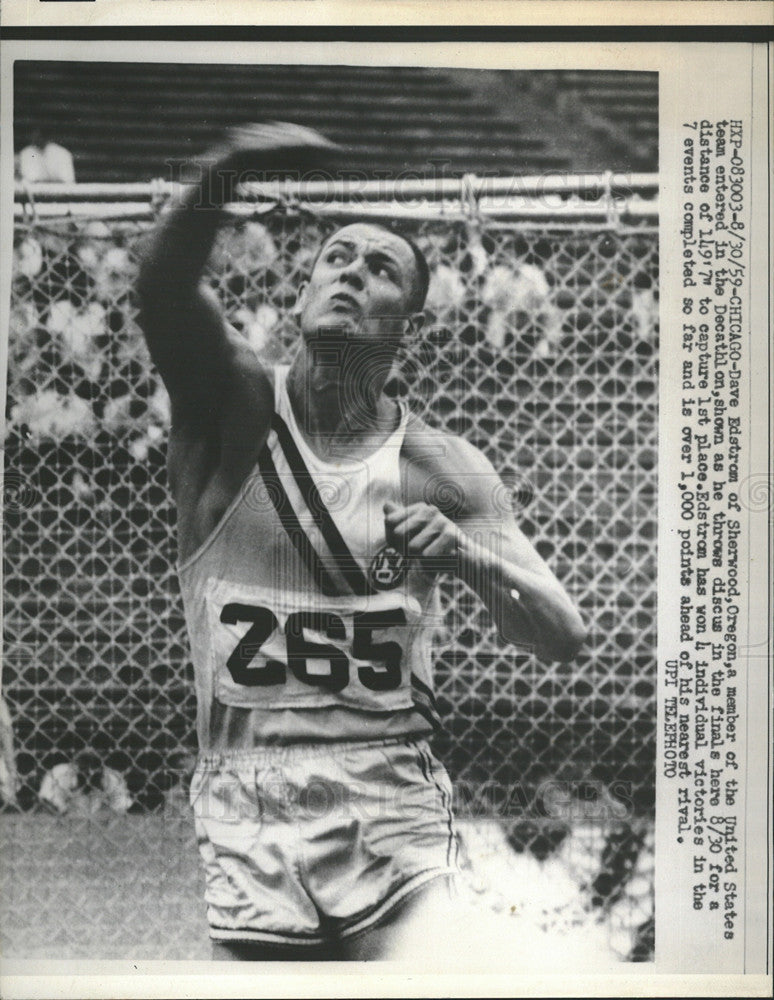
{"x":361,"y":285}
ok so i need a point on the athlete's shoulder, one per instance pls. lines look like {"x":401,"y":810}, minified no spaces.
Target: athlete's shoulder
{"x":435,"y":450}
{"x":439,"y":467}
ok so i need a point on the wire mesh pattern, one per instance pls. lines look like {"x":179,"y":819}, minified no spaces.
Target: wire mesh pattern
{"x":540,"y":347}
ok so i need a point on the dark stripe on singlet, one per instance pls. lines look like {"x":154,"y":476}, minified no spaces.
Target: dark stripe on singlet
{"x":425,"y":703}
{"x":424,"y":689}
{"x":290,"y":523}
{"x":345,"y":561}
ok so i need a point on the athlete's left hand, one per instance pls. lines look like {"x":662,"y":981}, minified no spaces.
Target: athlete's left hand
{"x":421,"y":531}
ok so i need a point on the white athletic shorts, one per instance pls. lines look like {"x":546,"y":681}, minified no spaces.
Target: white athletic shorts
{"x":306,"y":844}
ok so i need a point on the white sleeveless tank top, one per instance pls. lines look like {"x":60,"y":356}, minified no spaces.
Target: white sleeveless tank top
{"x":304,"y":623}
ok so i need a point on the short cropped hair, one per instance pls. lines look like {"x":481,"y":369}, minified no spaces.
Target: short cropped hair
{"x":421,"y":283}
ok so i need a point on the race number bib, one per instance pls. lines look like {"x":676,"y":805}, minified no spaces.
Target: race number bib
{"x":284,"y":650}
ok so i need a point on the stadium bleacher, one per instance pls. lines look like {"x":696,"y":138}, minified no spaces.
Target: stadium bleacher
{"x":122,"y":121}
{"x":621,"y":107}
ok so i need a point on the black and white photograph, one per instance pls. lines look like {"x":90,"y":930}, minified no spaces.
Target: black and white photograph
{"x":330,"y":513}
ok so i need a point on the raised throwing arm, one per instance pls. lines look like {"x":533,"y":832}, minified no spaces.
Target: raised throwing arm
{"x":189,"y":340}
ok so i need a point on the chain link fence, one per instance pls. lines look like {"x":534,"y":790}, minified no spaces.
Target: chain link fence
{"x":540,"y":347}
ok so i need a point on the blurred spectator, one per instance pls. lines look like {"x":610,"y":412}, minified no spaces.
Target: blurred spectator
{"x":84,"y":786}
{"x":59,"y":787}
{"x":9,"y":783}
{"x":43,"y":161}
{"x":447,"y":289}
{"x":520,"y":300}
{"x":48,"y":415}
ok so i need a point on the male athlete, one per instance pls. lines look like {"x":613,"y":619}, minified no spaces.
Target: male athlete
{"x":308,"y":554}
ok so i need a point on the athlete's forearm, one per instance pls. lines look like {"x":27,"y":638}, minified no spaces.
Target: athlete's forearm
{"x":179,"y":249}
{"x":183,"y":323}
{"x":528,"y":608}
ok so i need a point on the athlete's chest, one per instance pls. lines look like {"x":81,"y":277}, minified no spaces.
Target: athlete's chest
{"x":298,"y":599}
{"x":290,"y":511}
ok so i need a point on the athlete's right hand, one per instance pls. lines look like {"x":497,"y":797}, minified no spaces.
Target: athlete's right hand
{"x":275,"y":144}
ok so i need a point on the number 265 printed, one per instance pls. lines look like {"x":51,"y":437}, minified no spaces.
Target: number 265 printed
{"x":382,"y":672}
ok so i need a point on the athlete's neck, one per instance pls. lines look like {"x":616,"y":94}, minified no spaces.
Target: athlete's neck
{"x":337,"y":395}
